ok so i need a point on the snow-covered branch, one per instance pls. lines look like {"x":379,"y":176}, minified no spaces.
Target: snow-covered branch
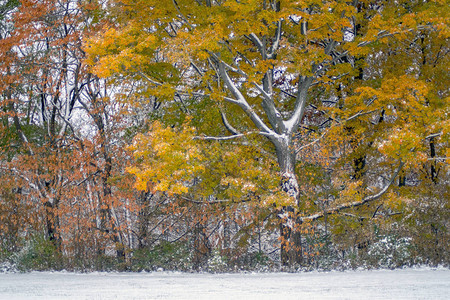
{"x":355,"y":203}
{"x":241,"y":102}
{"x":302,"y":93}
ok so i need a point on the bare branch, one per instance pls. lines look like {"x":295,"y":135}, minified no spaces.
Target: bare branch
{"x":300,"y":103}
{"x":247,"y":199}
{"x":220,"y":61}
{"x":360,"y":113}
{"x":241,"y":102}
{"x":205,"y":202}
{"x":272,"y":113}
{"x":311,"y":143}
{"x":258,"y":43}
{"x":219,"y":138}
{"x":149,"y":79}
{"x":276,"y":43}
{"x":224,"y":138}
{"x":181,"y":14}
{"x":287,"y":93}
{"x":433,"y":135}
{"x":266,"y":96}
{"x":385,"y":33}
{"x":196,"y":68}
{"x":227,"y":124}
{"x":231,"y":100}
{"x":439,"y":158}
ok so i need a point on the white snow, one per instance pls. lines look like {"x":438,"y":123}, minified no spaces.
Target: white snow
{"x":422,"y":283}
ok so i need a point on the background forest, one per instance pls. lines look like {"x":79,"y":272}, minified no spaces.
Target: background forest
{"x":223,"y":135}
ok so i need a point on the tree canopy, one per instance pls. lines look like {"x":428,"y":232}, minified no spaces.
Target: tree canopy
{"x":313,"y":117}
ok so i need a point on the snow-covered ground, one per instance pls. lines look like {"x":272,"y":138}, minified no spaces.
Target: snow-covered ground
{"x":422,"y":283}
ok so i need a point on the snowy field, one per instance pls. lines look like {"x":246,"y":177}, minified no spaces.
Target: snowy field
{"x":423,"y":283}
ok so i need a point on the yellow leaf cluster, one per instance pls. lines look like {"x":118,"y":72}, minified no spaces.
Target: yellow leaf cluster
{"x":166,"y":160}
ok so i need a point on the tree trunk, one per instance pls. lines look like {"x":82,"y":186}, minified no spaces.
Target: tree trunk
{"x":291,"y":246}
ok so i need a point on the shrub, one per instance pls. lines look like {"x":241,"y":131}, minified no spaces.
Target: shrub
{"x":390,"y":252}
{"x":38,"y":254}
{"x":169,"y":256}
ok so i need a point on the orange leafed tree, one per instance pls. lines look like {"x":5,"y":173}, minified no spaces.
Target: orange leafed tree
{"x":57,"y":139}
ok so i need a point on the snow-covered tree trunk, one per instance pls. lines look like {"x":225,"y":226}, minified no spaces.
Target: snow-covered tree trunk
{"x":291,"y":248}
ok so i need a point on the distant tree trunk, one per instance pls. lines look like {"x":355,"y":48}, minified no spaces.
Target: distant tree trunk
{"x":107,"y":220}
{"x":434,"y":172}
{"x":106,"y":209}
{"x":52,"y":224}
{"x":226,"y":241}
{"x":143,"y":219}
{"x":202,"y":249}
{"x":402,"y":179}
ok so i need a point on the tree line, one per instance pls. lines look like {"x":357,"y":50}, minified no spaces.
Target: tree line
{"x":223,"y":135}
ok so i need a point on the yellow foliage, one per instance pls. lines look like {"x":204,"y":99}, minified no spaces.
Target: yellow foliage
{"x":167,"y":160}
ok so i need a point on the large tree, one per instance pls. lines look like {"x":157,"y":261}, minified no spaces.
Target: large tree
{"x":277,"y":76}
